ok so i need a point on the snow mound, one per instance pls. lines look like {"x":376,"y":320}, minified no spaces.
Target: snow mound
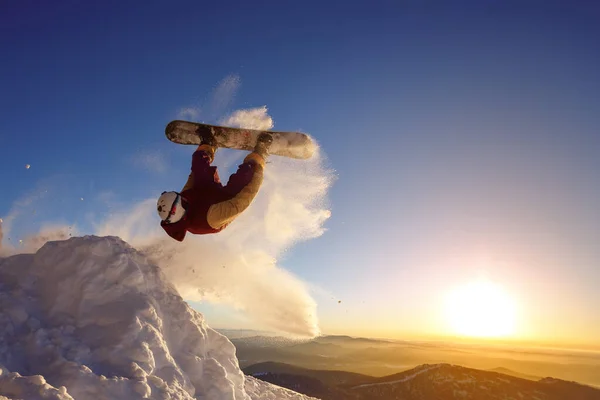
{"x":261,"y":390}
{"x":91,"y":318}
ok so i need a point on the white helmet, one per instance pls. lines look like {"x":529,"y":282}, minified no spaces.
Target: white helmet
{"x":169,"y":206}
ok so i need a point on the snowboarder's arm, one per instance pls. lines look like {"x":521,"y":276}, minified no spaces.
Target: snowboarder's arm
{"x":177,"y":230}
{"x":223,"y":213}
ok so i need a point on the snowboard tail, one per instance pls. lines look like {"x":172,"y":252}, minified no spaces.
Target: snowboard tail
{"x":287,"y":144}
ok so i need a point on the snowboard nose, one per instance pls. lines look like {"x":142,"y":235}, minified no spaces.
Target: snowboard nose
{"x":169,"y":128}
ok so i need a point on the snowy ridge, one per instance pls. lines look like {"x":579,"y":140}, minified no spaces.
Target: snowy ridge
{"x":260,"y":390}
{"x":403,"y":379}
{"x":91,"y":318}
{"x":450,"y":381}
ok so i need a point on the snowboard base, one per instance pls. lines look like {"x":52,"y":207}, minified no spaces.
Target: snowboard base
{"x":286,"y":144}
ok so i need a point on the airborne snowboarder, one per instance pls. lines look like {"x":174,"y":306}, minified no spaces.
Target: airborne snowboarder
{"x":204,"y":205}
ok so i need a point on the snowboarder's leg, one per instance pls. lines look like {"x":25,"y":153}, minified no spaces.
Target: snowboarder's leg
{"x":202,"y":171}
{"x":245,"y":171}
{"x":209,"y":150}
{"x":244,"y":185}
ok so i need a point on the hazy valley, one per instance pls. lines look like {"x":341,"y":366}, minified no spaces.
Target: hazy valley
{"x":342,"y":367}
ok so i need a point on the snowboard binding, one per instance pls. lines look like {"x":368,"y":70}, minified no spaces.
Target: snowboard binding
{"x":263,"y":143}
{"x":207,"y":137}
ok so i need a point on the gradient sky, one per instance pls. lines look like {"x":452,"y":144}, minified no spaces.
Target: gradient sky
{"x":465,"y":138}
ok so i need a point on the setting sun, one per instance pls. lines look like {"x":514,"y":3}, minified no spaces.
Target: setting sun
{"x":480,"y":309}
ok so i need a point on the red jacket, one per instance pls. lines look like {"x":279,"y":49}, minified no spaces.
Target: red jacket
{"x":203,"y":190}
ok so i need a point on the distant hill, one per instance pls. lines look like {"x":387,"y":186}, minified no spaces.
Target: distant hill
{"x":425,"y":382}
{"x":328,"y":377}
{"x":347,"y":340}
{"x":266,"y":341}
{"x":376,"y":357}
{"x":515,"y":373}
{"x":309,"y":386}
{"x":241,"y":333}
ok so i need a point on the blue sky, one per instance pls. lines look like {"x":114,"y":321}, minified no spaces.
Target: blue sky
{"x":458,"y":133}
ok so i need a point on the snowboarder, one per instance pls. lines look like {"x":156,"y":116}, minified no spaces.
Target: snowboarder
{"x":204,"y":205}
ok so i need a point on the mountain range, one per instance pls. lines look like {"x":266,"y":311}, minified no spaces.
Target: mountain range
{"x":425,"y":382}
{"x":382,"y":357}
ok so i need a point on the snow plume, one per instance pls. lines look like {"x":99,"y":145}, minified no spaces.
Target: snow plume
{"x":218,"y":101}
{"x":188,"y":113}
{"x":33,"y":243}
{"x":26,"y":213}
{"x":1,"y":235}
{"x":253,"y":118}
{"x":150,"y":160}
{"x":238,"y":266}
{"x":25,"y":206}
{"x":23,"y":211}
{"x":224,"y":93}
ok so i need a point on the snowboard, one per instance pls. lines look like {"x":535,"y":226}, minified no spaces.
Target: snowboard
{"x":287,"y":144}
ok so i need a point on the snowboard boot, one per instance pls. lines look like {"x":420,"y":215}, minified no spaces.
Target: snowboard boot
{"x":208,"y":139}
{"x":208,"y":144}
{"x":263,"y":143}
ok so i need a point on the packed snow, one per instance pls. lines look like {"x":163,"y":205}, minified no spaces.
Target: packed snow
{"x":260,"y":390}
{"x":91,"y":318}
